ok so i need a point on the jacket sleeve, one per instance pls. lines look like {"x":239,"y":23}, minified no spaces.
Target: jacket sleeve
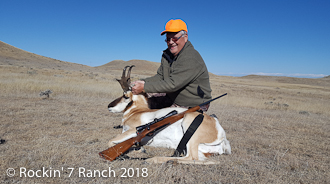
{"x":184,"y":72}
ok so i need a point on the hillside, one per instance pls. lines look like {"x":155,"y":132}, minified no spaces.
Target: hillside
{"x":141,"y":66}
{"x":290,"y":80}
{"x":10,"y":55}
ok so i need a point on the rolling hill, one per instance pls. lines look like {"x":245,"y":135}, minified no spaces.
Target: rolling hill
{"x":141,"y":66}
{"x":10,"y":55}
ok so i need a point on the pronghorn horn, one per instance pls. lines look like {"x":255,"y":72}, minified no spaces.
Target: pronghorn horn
{"x":125,"y":80}
{"x":129,"y":73}
{"x":124,"y":71}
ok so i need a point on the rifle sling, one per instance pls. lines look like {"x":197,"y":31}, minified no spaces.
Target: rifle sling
{"x":182,"y":149}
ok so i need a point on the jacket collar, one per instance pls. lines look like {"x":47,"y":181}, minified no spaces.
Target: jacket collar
{"x":170,"y":57}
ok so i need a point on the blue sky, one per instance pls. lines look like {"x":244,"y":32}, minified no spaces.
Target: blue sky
{"x":235,"y":37}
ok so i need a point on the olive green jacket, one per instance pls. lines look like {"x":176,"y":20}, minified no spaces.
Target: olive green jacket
{"x":184,"y":78}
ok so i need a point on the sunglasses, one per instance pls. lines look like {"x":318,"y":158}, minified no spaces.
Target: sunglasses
{"x":175,"y":39}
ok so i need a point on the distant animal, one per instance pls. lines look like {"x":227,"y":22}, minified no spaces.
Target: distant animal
{"x":46,"y":93}
{"x":209,"y":138}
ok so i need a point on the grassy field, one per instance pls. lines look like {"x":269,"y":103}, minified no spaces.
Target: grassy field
{"x":278,"y":129}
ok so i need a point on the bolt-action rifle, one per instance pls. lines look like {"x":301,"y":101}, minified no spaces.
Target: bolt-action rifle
{"x":113,"y":152}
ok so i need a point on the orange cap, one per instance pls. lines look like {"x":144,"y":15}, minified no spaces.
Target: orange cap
{"x":175,"y":26}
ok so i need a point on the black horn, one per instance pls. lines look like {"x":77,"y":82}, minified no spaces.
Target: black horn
{"x":126,"y":80}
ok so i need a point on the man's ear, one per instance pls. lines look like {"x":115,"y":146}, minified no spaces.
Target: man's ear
{"x":186,"y":37}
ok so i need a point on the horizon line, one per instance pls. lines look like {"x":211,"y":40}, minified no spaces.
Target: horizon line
{"x":297,"y":75}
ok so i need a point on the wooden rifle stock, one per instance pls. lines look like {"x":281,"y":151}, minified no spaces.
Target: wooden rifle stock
{"x":115,"y":151}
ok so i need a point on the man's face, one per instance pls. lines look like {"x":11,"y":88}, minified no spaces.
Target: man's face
{"x":174,"y":44}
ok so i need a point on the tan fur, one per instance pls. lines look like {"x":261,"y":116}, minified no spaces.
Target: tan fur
{"x":132,"y":119}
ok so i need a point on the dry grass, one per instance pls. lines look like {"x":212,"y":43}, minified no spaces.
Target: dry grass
{"x":271,"y":142}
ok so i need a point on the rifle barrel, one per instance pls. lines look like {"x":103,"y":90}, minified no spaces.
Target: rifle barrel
{"x":212,"y":100}
{"x":142,"y":127}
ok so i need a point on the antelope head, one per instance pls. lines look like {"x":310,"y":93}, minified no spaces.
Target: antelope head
{"x":121,"y":103}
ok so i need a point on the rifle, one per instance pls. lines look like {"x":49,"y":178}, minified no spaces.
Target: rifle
{"x":113,"y":152}
{"x":142,"y":127}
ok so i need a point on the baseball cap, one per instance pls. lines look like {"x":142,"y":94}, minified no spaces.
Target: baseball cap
{"x":174,"y":26}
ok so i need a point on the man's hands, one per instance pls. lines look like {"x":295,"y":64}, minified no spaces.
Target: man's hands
{"x":137,"y":87}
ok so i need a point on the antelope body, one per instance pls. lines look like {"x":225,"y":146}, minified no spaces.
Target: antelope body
{"x":209,"y":138}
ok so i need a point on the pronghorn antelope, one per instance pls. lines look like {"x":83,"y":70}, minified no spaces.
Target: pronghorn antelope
{"x":209,"y":138}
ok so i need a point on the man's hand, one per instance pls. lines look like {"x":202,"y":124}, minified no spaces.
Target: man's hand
{"x":137,"y":87}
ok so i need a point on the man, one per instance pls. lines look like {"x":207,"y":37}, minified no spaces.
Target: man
{"x":182,"y":75}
